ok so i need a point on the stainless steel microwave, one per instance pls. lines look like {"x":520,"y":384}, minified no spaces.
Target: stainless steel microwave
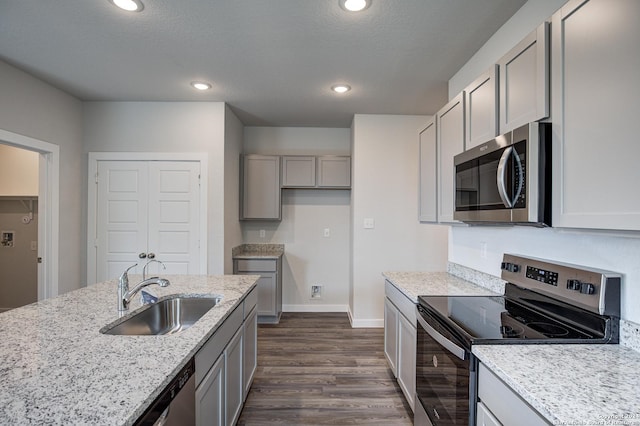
{"x":506,"y":180}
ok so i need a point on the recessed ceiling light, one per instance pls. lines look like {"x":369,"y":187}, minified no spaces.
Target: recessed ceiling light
{"x":354,"y":5}
{"x":341,"y":88}
{"x":200,"y":85}
{"x":128,"y":5}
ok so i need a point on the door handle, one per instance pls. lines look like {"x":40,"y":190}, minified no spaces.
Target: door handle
{"x":501,"y":177}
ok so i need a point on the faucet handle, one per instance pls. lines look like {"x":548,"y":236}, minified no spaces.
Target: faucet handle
{"x":123,"y":281}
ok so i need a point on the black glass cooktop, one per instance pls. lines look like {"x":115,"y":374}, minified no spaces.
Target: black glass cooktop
{"x":525,"y":315}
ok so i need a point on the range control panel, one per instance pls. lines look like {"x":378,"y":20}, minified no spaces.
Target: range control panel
{"x":593,"y":289}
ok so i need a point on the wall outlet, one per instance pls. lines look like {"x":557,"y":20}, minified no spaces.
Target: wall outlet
{"x":262,"y":233}
{"x":369,"y":223}
{"x":327,"y":232}
{"x":316,"y":291}
{"x":483,"y":250}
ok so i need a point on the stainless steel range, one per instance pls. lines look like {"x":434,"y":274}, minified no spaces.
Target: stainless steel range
{"x":544,"y":302}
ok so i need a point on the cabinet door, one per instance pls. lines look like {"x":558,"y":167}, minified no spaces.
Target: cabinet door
{"x":267,"y":294}
{"x":234,"y":383}
{"x":298,"y":172}
{"x":260,"y":185}
{"x":391,"y":335}
{"x":481,"y":105}
{"x":334,"y":172}
{"x":210,"y":396}
{"x":450,"y":126}
{"x":428,"y":174}
{"x":484,"y":416}
{"x":595,"y":103}
{"x":524,"y":81}
{"x":407,"y":359}
{"x":250,"y":349}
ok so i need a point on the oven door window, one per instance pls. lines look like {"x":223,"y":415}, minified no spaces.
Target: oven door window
{"x":442,"y":382}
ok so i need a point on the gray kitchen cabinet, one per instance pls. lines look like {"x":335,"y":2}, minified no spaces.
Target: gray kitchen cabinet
{"x":250,"y":349}
{"x":481,"y":108}
{"x":450,"y":124}
{"x":298,"y":172}
{"x":524,"y":81}
{"x":234,"y":381}
{"x":400,"y":339}
{"x":221,"y":383}
{"x":595,"y":62}
{"x":498,"y":404}
{"x":326,"y":171}
{"x":260,"y":187}
{"x":269,"y":286}
{"x":428,"y":185}
{"x":210,"y":396}
{"x":334,"y":171}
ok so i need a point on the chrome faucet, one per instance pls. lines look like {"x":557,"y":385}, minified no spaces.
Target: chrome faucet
{"x":125,"y":295}
{"x":144,"y":270}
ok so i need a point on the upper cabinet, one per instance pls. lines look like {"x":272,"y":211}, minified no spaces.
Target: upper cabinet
{"x":326,"y":171}
{"x":524,"y":81}
{"x":428,"y":174}
{"x":481,"y":108}
{"x":595,"y":103}
{"x":260,"y":184}
{"x":450,"y":142}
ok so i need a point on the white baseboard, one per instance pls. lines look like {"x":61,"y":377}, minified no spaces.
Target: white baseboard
{"x":366,"y":323}
{"x":315,"y":308}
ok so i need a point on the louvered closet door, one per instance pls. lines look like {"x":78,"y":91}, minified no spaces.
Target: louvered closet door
{"x":121,"y":216}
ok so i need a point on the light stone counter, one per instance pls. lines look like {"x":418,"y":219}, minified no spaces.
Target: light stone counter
{"x":414,"y":284}
{"x":57,"y":368}
{"x":571,"y":384}
{"x":258,"y":251}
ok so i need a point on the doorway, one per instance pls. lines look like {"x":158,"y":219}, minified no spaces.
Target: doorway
{"x":43,"y":208}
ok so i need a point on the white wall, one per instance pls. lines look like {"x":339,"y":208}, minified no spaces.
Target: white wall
{"x":167,"y":127}
{"x":385,"y":188}
{"x":618,"y":252}
{"x":30,"y":107}
{"x":310,"y":258}
{"x":232,"y":231}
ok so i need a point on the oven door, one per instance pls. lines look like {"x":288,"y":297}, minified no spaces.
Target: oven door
{"x":443,"y":375}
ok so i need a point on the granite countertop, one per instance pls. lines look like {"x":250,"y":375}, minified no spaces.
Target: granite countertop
{"x":252,"y":251}
{"x":571,"y":384}
{"x":57,"y":368}
{"x":414,"y":284}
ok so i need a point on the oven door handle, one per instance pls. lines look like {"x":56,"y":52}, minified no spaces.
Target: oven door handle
{"x":443,"y":341}
{"x":502,"y":170}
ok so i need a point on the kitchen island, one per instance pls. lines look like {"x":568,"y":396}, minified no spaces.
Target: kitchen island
{"x":57,"y":368}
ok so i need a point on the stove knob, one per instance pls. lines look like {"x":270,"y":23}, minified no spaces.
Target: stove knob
{"x":587,"y":288}
{"x":574,"y":284}
{"x":511,"y":267}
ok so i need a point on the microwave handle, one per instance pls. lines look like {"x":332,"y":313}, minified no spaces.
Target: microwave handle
{"x":520,"y":175}
{"x":443,"y":341}
{"x":502,"y":170}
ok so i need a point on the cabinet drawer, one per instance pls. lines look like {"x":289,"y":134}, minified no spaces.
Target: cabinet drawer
{"x":256,"y":265}
{"x":250,"y":301}
{"x":211,"y":350}
{"x":405,"y":305}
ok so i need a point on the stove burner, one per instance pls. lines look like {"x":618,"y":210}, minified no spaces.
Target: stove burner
{"x":509,"y":331}
{"x":549,"y":330}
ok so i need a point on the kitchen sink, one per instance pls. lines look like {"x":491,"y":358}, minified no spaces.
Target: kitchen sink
{"x":168,"y":316}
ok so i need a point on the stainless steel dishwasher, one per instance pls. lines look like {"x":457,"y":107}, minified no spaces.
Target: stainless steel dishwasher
{"x":176,"y":405}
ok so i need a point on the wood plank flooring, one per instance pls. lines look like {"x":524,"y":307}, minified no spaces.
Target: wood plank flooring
{"x":314,"y":369}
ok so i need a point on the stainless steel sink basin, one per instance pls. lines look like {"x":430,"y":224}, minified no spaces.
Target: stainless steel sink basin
{"x":168,"y":316}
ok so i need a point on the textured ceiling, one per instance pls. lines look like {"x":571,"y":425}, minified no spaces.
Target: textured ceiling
{"x":273,"y":61}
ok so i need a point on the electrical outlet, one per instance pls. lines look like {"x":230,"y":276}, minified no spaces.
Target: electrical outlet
{"x":369,"y":223}
{"x":316,"y":291}
{"x":483,"y":250}
{"x":262,"y":233}
{"x":327,"y":232}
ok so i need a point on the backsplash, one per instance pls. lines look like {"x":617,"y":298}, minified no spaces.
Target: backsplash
{"x":629,"y":331}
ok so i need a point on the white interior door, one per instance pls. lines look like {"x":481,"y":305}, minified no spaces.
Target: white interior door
{"x":174,"y":216}
{"x":147,"y":207}
{"x":121,"y":216}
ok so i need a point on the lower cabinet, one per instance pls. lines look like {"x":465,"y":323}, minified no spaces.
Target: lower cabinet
{"x":225,"y":366}
{"x":498,"y":404}
{"x":269,"y":285}
{"x":400,"y":340}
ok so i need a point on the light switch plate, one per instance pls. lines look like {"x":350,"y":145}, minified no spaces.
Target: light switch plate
{"x":369,"y":223}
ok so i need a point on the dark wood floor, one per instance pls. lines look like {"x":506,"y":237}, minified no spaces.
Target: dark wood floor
{"x":314,"y":369}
